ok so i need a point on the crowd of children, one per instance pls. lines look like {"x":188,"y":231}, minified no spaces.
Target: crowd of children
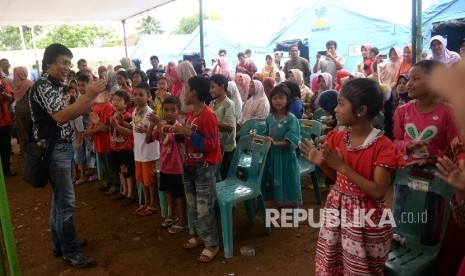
{"x":143,"y":135}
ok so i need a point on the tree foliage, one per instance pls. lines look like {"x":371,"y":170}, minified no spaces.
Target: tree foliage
{"x":78,"y":36}
{"x":11,"y":38}
{"x":149,"y":25}
{"x":188,"y":24}
{"x":71,"y":36}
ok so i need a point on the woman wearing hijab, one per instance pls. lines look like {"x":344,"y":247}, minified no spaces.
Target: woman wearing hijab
{"x":366,"y":62}
{"x":324,"y":82}
{"x":387,"y":71}
{"x":404,"y":66}
{"x":222,"y":67}
{"x":22,"y":110}
{"x":185,"y":71}
{"x":297,"y":77}
{"x":270,"y":69}
{"x":441,"y":53}
{"x":233,"y":94}
{"x":175,"y":84}
{"x":280,"y":77}
{"x":340,"y":74}
{"x":243,"y":82}
{"x":268,"y":84}
{"x":111,"y":81}
{"x":257,"y":106}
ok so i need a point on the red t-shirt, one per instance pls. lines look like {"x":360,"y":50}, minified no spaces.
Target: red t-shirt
{"x":204,"y":143}
{"x":102,"y":139}
{"x":170,"y":152}
{"x":120,"y":141}
{"x":5,"y":119}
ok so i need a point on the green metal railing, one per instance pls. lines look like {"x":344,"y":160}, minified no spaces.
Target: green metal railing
{"x":7,"y":232}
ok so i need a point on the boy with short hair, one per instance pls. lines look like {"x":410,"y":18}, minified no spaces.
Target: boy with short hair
{"x":203,"y":153}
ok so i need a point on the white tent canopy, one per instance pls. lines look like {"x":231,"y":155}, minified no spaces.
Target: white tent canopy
{"x":58,"y":12}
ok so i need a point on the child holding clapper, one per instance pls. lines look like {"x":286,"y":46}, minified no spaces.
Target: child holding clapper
{"x":361,"y":160}
{"x":203,"y":153}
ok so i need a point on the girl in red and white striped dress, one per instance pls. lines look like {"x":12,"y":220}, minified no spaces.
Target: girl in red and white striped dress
{"x":361,"y":160}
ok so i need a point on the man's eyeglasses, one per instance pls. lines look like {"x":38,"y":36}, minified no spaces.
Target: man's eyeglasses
{"x":66,"y":63}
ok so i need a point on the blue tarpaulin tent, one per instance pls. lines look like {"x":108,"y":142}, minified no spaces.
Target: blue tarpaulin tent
{"x":447,"y":18}
{"x":325,"y":21}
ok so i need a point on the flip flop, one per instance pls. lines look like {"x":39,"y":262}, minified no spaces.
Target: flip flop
{"x":207,"y":255}
{"x":138,"y":210}
{"x":175,"y":229}
{"x":148,"y":211}
{"x":193,"y":243}
{"x":167,"y":223}
{"x":79,"y":182}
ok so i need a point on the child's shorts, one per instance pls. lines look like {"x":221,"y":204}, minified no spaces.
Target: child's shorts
{"x":124,"y":161}
{"x":145,"y":173}
{"x":172,"y":183}
{"x":80,"y":155}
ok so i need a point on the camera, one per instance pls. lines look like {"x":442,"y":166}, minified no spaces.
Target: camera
{"x":383,"y":56}
{"x":322,"y":53}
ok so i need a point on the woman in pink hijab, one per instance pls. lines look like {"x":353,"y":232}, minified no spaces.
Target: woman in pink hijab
{"x":175,"y":84}
{"x":387,"y":71}
{"x":257,"y":106}
{"x":242,"y":82}
{"x":22,"y":110}
{"x":222,"y":67}
{"x":366,"y":62}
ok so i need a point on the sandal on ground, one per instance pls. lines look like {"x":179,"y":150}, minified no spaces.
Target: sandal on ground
{"x":117,"y":196}
{"x":128,"y":201}
{"x":79,"y":182}
{"x":168,"y":222}
{"x":113,"y":190}
{"x":138,"y":210}
{"x":148,"y":211}
{"x":193,"y":243}
{"x":175,"y":229}
{"x":92,"y":178}
{"x":105,"y":186}
{"x":208,"y":254}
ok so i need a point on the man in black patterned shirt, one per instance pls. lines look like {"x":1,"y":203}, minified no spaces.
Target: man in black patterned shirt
{"x":51,"y":116}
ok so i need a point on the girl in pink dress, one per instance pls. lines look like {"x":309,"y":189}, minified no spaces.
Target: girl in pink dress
{"x":361,"y":160}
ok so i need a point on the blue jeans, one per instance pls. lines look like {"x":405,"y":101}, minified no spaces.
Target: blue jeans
{"x":199,"y":185}
{"x":63,"y":201}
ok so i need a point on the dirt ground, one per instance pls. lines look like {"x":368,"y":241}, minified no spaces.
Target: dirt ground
{"x":124,"y":244}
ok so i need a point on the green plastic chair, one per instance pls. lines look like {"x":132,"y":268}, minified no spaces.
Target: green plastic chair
{"x":310,"y":129}
{"x":318,"y":114}
{"x":233,"y":190}
{"x":258,"y":126}
{"x":413,"y":257}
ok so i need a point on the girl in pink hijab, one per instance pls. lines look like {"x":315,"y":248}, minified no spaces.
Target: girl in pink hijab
{"x":242,"y":82}
{"x":22,"y":110}
{"x":257,"y":106}
{"x":175,"y":84}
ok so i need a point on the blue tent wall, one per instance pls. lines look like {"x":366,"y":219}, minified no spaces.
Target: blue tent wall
{"x":217,"y":36}
{"x":325,"y":21}
{"x":442,"y":10}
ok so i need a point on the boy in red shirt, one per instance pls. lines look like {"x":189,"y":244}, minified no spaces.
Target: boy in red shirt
{"x":6,"y":99}
{"x":203,"y":153}
{"x":100,"y":133}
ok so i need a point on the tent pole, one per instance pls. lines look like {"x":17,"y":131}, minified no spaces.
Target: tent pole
{"x":414,"y":31}
{"x":34,"y":45}
{"x":124,"y":37}
{"x":201,"y":28}
{"x":419,"y":37}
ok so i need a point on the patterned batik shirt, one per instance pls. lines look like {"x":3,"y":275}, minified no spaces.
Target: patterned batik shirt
{"x":47,"y":97}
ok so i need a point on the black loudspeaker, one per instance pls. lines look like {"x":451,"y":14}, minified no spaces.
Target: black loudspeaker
{"x":192,"y":57}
